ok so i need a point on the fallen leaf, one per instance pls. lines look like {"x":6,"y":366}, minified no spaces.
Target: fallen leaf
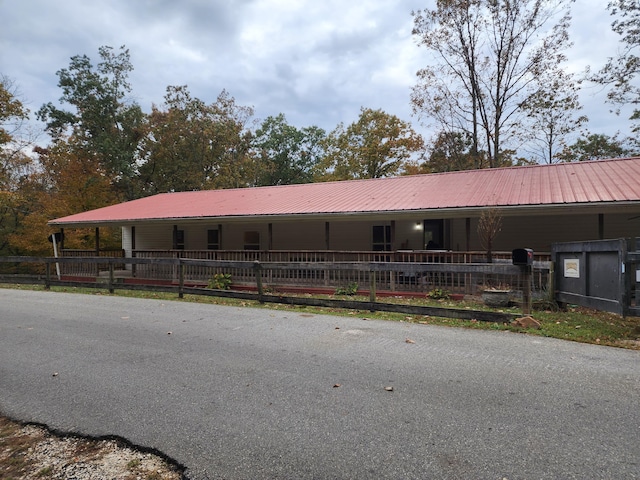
{"x":169,"y":333}
{"x":55,"y":374}
{"x":337,"y":385}
{"x":337,"y":328}
{"x":389,"y":389}
{"x":124,"y":318}
{"x":408,"y":340}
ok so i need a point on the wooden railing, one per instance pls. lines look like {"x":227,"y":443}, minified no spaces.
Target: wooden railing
{"x":401,"y":279}
{"x":83,"y":269}
{"x":111,"y":282}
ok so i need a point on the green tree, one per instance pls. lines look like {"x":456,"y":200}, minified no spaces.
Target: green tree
{"x":377,"y":145}
{"x":452,"y":151}
{"x":485,"y":55}
{"x":284,"y":154}
{"x":103,"y":120}
{"x":195,"y":146}
{"x":594,"y":146}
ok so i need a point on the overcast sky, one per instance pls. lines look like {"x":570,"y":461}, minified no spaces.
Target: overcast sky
{"x":316,"y":61}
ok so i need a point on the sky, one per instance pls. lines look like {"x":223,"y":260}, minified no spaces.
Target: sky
{"x":316,"y":61}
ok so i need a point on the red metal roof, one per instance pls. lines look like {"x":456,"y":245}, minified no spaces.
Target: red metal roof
{"x":603,"y":181}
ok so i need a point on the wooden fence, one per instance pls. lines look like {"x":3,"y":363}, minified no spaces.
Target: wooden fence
{"x":307,"y":269}
{"x":262,"y":270}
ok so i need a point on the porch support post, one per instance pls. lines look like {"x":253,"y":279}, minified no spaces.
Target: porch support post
{"x":327,"y":246}
{"x":467,"y":225}
{"x":393,"y":235}
{"x":601,"y":226}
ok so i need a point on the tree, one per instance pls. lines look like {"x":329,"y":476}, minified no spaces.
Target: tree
{"x":376,"y":145}
{"x":552,"y":109}
{"x":621,"y":72}
{"x":489,"y":226}
{"x":486,"y":54}
{"x":451,"y":151}
{"x":103,"y":121}
{"x":12,"y":111}
{"x":69,"y":181}
{"x":594,"y":146}
{"x":15,"y":164}
{"x":284,"y":154}
{"x":195,"y":146}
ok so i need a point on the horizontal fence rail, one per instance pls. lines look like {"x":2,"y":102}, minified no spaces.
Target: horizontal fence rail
{"x":264,"y":270}
{"x":402,"y":279}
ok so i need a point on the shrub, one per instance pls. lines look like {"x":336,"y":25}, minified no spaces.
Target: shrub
{"x":220,"y":281}
{"x":438,"y":294}
{"x":350,"y":289}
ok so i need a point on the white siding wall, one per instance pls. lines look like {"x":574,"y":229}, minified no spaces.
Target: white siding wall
{"x":351,"y":235}
{"x":299,"y":236}
{"x":154,"y":237}
{"x":538,"y":232}
{"x":535,"y":232}
{"x":233,"y":235}
{"x":622,"y":225}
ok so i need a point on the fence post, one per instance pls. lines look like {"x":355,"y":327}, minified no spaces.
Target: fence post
{"x":257,"y":267}
{"x":526,"y":290}
{"x":372,"y":289}
{"x":47,"y":275}
{"x":110,"y":276}
{"x":180,"y":279}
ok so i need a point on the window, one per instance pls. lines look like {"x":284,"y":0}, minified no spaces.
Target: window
{"x":213,"y":240}
{"x":381,"y":239}
{"x":252,"y":240}
{"x":178,"y":239}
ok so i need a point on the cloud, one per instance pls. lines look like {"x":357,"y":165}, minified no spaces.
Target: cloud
{"x":318,"y":62}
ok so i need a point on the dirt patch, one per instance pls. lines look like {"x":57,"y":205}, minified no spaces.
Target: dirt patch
{"x":31,"y":452}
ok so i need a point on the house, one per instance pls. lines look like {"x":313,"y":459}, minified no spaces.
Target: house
{"x":539,"y":205}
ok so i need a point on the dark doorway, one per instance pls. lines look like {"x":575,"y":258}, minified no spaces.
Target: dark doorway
{"x":433,"y":238}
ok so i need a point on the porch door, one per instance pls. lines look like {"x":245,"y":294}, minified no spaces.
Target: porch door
{"x":433,"y":238}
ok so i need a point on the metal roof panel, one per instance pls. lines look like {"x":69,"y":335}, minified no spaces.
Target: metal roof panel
{"x":565,"y":183}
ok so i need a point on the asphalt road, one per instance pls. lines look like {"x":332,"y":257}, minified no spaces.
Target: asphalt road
{"x":242,"y":393}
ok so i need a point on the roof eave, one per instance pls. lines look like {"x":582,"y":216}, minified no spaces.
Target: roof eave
{"x":446,"y":212}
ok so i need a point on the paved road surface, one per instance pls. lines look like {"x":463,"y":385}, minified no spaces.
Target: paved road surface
{"x":241,"y":393}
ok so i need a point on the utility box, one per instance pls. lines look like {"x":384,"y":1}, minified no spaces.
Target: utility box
{"x":522,"y":256}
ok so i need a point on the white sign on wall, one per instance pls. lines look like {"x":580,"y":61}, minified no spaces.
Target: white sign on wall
{"x":572,"y":268}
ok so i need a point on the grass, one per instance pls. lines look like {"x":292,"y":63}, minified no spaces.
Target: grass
{"x":574,"y":324}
